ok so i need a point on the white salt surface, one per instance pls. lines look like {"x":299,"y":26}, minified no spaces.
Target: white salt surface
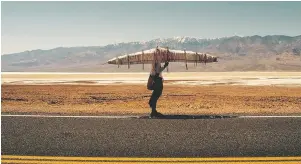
{"x":219,"y":78}
{"x":251,"y":82}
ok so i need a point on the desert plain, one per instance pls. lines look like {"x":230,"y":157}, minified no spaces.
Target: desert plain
{"x":197,"y":93}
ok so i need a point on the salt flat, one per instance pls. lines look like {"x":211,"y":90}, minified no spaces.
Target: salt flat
{"x":180,"y":78}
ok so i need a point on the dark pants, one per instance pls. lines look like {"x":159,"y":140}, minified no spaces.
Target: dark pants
{"x":157,"y":92}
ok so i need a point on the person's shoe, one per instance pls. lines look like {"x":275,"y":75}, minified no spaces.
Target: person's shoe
{"x":159,"y":114}
{"x":156,"y":114}
{"x":152,"y":115}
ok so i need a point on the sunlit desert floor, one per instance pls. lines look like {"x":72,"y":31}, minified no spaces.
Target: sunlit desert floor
{"x":230,"y":93}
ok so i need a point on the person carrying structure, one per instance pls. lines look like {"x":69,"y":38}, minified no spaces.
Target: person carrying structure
{"x":155,"y":83}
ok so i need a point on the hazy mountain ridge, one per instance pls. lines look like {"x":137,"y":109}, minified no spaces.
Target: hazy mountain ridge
{"x":250,"y":53}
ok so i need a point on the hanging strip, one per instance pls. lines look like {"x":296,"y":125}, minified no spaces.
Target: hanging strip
{"x":157,"y":53}
{"x":185,"y":59}
{"x":168,"y":57}
{"x":128,"y":61}
{"x":142,"y":59}
{"x":196,"y":59}
{"x":117,"y":61}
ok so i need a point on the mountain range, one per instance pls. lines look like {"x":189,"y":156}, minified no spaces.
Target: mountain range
{"x":249,"y":53}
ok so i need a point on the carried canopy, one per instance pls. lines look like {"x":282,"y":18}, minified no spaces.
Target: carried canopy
{"x":161,"y":55}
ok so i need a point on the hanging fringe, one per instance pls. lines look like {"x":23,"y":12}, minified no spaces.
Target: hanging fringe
{"x":117,"y":61}
{"x":142,"y":60}
{"x":128,"y":61}
{"x":185,"y":59}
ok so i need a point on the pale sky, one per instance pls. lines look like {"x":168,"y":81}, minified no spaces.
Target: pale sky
{"x":47,"y":25}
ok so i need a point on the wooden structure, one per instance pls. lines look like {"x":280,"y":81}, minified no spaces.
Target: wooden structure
{"x":161,"y":55}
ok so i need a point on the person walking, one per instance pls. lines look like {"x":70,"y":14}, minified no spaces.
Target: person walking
{"x":155,"y":83}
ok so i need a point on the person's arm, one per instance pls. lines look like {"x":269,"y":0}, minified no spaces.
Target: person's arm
{"x":158,"y":69}
{"x":165,"y":65}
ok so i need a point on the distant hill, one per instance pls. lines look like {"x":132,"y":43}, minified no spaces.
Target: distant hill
{"x":250,"y":53}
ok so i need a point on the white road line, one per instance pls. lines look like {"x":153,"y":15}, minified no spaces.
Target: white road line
{"x":58,"y":116}
{"x":269,"y":116}
{"x":65,"y":116}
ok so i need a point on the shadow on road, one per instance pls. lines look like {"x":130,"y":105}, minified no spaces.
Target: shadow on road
{"x":189,"y":117}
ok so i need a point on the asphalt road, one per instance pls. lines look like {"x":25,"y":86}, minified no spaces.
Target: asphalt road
{"x":132,"y":137}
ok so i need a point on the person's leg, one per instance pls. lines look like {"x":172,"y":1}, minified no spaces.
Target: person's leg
{"x":151,"y":99}
{"x":155,"y":96}
{"x":159,"y":90}
{"x":154,"y":101}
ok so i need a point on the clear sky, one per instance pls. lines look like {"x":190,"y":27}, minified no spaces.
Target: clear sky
{"x":46,"y":25}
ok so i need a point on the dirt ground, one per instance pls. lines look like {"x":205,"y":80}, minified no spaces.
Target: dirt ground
{"x":129,"y":99}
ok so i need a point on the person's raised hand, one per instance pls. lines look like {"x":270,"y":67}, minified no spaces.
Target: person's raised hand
{"x":166,"y":64}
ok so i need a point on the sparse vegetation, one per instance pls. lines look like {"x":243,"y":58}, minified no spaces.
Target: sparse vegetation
{"x":133,"y":99}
